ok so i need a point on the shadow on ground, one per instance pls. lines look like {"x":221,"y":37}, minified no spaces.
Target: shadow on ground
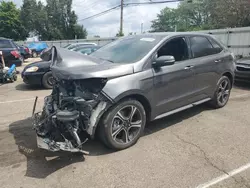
{"x":26,"y":87}
{"x":242,"y":85}
{"x":42,"y":163}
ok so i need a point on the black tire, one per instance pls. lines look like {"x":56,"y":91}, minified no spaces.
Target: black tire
{"x":107,"y":123}
{"x":46,"y":80}
{"x":15,"y":77}
{"x":217,"y":101}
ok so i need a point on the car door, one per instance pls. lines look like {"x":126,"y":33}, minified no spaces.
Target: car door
{"x":205,"y":58}
{"x":174,"y":84}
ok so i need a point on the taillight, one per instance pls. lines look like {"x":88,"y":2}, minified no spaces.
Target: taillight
{"x":27,"y":50}
{"x":15,"y":54}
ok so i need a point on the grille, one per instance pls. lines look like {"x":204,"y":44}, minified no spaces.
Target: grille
{"x":243,"y":69}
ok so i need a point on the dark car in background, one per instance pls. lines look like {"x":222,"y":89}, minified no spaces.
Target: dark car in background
{"x":242,"y":73}
{"x":114,"y":91}
{"x":11,"y":52}
{"x":86,"y":49}
{"x":38,"y":73}
{"x":24,"y":51}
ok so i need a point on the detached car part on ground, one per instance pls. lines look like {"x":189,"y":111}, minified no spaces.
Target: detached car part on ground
{"x":113,"y":92}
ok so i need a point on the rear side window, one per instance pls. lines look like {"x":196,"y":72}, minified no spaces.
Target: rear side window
{"x":217,"y":47}
{"x":5,"y":44}
{"x":200,"y":46}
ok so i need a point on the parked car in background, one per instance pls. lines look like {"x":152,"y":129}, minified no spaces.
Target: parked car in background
{"x":242,"y":72}
{"x":38,"y":73}
{"x":114,"y":91}
{"x":24,"y":51}
{"x":86,"y":49}
{"x":37,"y":47}
{"x":75,"y":45}
{"x":10,"y":52}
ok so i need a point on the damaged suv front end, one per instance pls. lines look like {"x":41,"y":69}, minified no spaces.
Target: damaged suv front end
{"x":71,"y":113}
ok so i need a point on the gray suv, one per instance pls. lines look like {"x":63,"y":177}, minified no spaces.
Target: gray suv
{"x":117,"y":89}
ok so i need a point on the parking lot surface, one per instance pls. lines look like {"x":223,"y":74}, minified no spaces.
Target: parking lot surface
{"x":199,"y":147}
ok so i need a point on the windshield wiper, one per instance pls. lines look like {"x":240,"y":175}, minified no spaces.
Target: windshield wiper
{"x":107,"y":60}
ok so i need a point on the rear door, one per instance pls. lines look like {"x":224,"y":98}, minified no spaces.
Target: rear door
{"x":206,"y":55}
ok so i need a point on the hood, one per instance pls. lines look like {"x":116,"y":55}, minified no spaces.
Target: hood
{"x":70,"y":65}
{"x":243,"y":62}
{"x":39,"y":64}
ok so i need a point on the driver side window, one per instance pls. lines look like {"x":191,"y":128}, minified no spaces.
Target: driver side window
{"x":176,"y":47}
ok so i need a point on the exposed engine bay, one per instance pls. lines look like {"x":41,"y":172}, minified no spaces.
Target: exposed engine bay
{"x":70,"y":114}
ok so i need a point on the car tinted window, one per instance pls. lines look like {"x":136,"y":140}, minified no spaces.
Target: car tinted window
{"x":217,"y":47}
{"x":5,"y":44}
{"x":128,"y":49}
{"x":176,"y":47}
{"x":201,"y":46}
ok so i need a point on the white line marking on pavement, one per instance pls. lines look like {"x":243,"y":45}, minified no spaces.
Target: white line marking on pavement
{"x":17,"y":100}
{"x":224,"y":177}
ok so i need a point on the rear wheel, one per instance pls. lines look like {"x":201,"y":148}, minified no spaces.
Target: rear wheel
{"x":222,"y":93}
{"x":48,"y":80}
{"x":123,"y":125}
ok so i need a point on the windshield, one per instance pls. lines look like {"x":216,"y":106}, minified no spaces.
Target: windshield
{"x":129,"y":49}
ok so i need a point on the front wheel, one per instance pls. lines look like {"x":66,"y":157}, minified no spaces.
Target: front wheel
{"x":222,"y":93}
{"x":48,"y":80}
{"x":123,"y":124}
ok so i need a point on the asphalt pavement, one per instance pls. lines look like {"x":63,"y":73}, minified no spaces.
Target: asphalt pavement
{"x":199,"y":147}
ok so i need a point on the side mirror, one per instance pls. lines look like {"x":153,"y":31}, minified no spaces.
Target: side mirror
{"x":164,"y":61}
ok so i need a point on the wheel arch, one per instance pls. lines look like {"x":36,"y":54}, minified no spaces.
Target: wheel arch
{"x":136,"y":95}
{"x":230,"y":76}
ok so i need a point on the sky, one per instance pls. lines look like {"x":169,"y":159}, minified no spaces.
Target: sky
{"x":108,"y":25}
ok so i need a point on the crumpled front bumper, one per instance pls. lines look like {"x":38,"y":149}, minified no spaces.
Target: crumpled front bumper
{"x":51,"y":145}
{"x":46,"y":143}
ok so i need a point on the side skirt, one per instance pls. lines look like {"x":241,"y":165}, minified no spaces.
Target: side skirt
{"x":182,"y":108}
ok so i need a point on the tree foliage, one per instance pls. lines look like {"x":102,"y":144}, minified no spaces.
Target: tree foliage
{"x":10,"y":25}
{"x":54,"y":21}
{"x":203,"y":14}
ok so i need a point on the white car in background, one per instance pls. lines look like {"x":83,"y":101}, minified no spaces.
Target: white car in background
{"x":76,"y":45}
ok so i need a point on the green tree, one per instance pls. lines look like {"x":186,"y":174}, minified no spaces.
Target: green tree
{"x":165,"y":21}
{"x":55,"y":21}
{"x":10,"y":24}
{"x":204,"y":15}
{"x":119,"y":34}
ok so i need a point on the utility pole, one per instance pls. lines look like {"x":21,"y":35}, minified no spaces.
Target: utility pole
{"x":141,"y":27}
{"x":121,"y":19}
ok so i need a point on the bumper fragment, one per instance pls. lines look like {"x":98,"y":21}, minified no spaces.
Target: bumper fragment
{"x":51,"y":145}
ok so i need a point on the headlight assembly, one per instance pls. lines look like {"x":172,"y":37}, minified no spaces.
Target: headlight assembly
{"x":32,"y":69}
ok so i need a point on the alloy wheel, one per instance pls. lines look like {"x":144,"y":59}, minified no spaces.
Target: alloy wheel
{"x":223,"y":92}
{"x":126,"y":124}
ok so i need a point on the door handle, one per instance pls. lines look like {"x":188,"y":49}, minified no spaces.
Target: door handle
{"x":189,"y":67}
{"x":217,"y":61}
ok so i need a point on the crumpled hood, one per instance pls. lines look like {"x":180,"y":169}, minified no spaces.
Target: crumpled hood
{"x":70,"y":65}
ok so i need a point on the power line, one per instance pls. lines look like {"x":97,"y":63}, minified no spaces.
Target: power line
{"x":102,"y":13}
{"x":128,"y":4}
